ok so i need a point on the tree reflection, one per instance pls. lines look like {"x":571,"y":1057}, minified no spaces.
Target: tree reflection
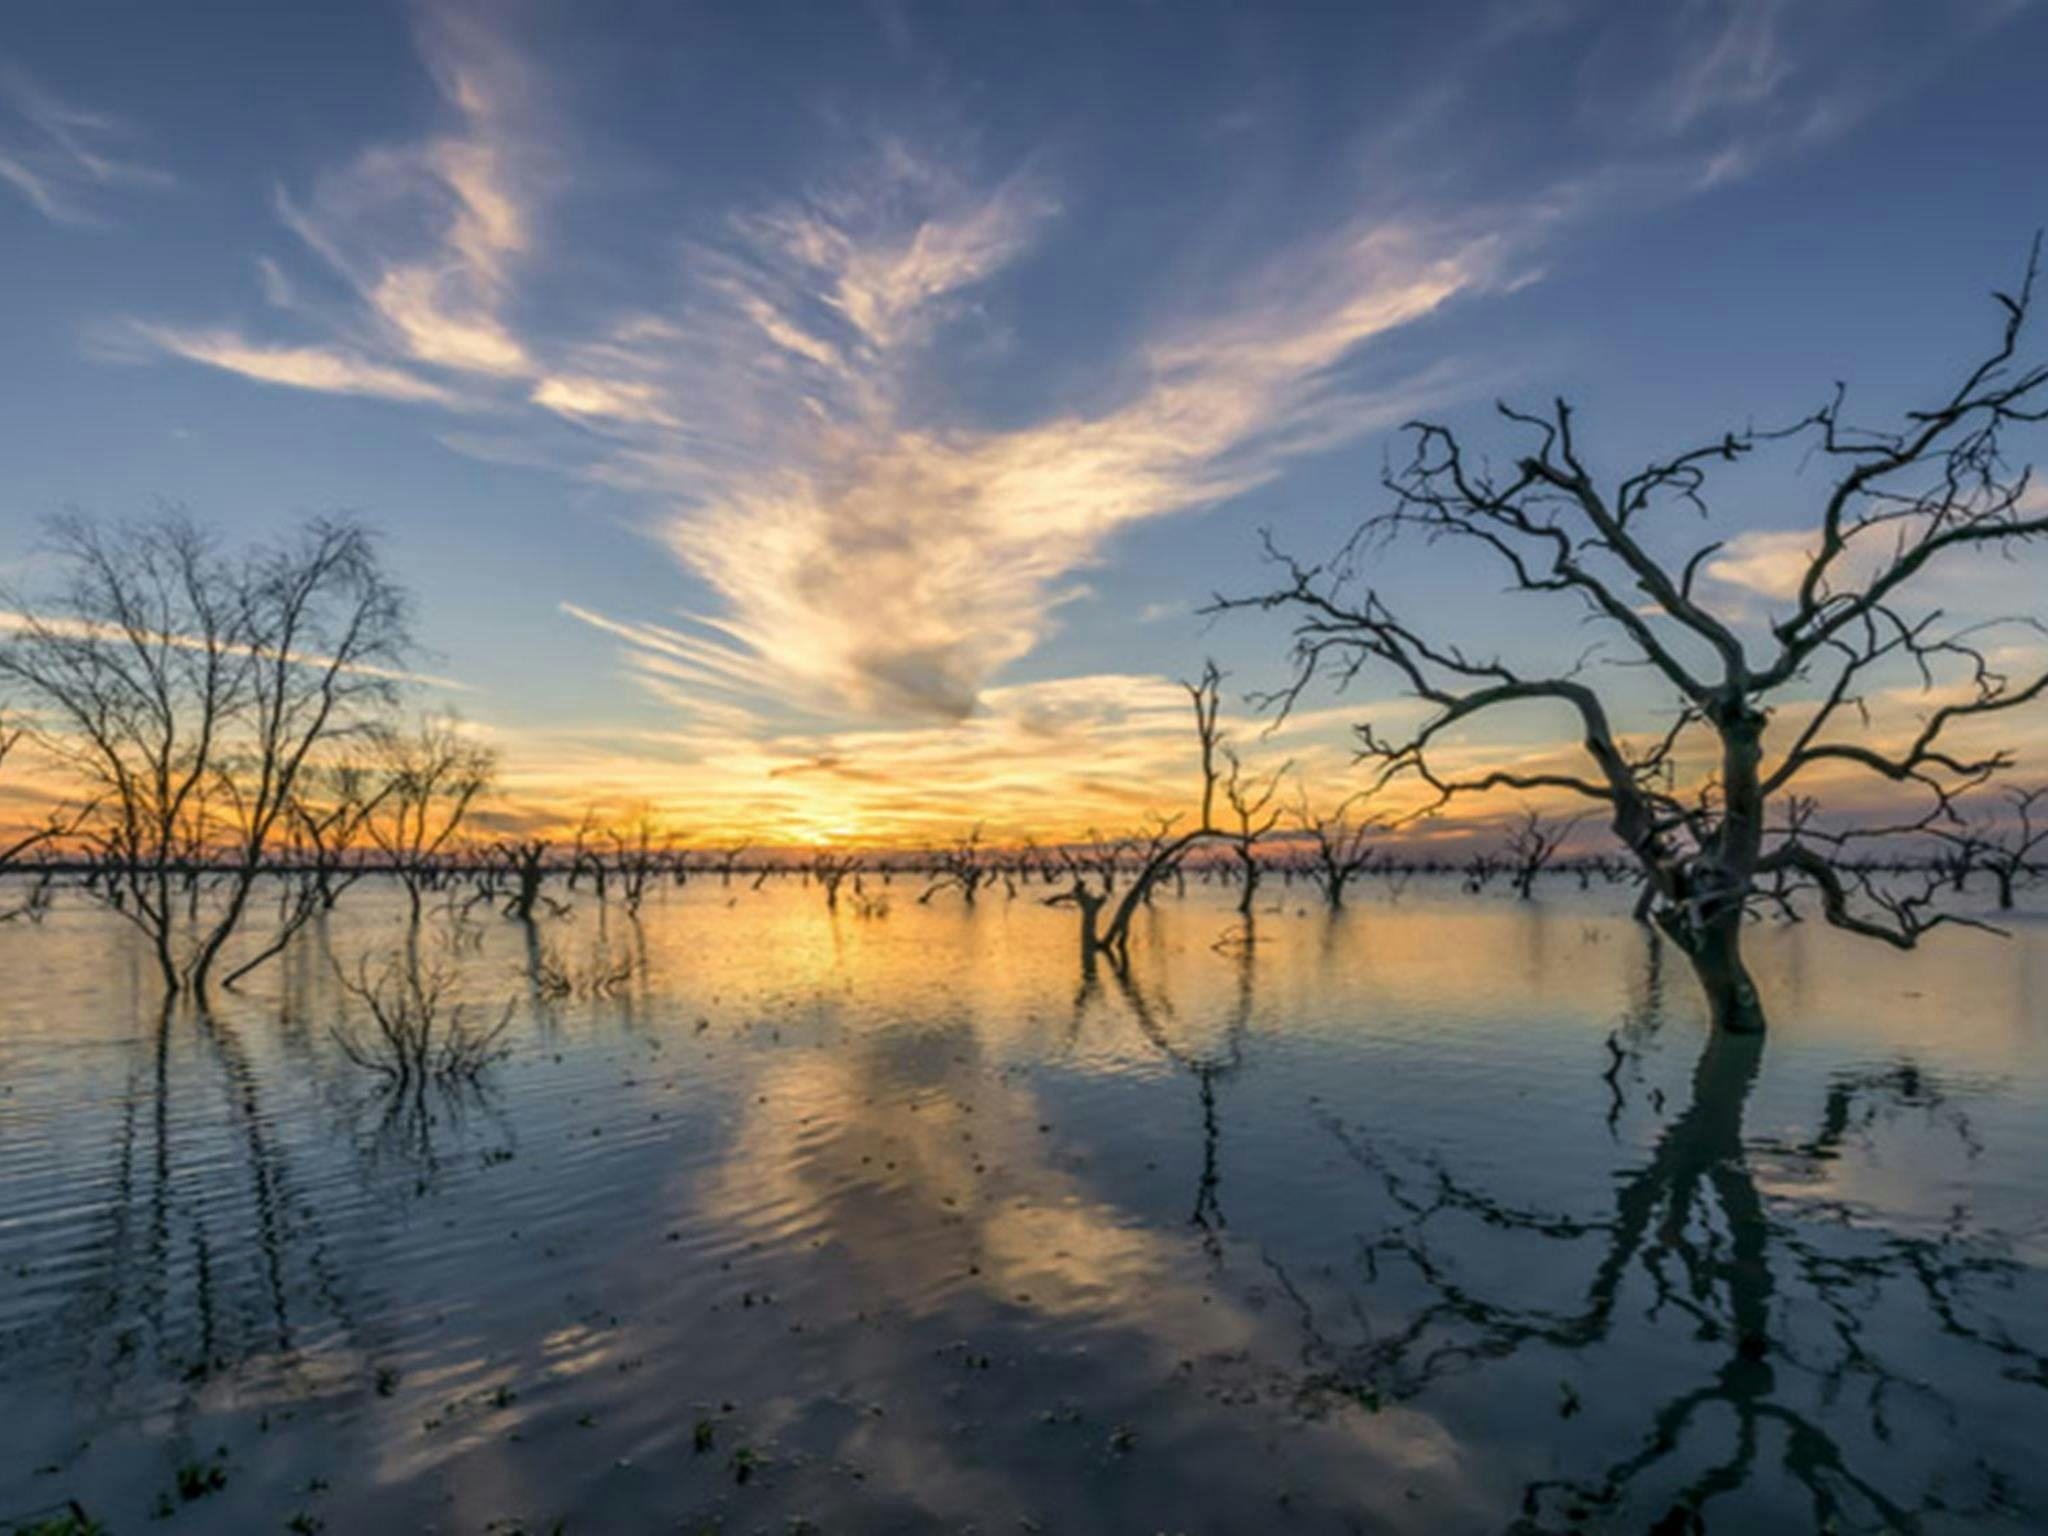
{"x":1210,"y":1066}
{"x":1778,"y":1291}
{"x":418,"y":1133}
{"x":207,"y":1250}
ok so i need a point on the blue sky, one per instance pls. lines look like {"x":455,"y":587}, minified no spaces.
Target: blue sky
{"x":830,"y":415}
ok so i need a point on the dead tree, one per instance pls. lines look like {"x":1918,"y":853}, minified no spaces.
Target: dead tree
{"x":1087,"y":892}
{"x":1531,"y":846}
{"x":586,"y":857}
{"x":830,"y":870}
{"x":965,"y":866}
{"x":432,"y":776}
{"x":528,"y":862}
{"x":1253,"y":815}
{"x":2006,"y":849}
{"x":1340,"y":847}
{"x":190,"y":690}
{"x":319,"y":857}
{"x":1480,"y":869}
{"x":1693,"y":799}
{"x":418,"y":1037}
{"x":1158,"y":856}
{"x":638,"y":853}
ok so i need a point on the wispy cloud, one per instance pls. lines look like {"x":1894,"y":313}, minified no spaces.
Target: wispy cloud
{"x":1738,"y":59}
{"x":427,"y":234}
{"x":61,"y":157}
{"x":1767,"y":562}
{"x":328,"y":369}
{"x":873,"y":561}
{"x":877,"y":553}
{"x":871,"y":558}
{"x":425,"y":237}
{"x":1770,"y":564}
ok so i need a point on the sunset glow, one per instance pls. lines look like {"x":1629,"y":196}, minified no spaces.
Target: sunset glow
{"x":860,"y":473}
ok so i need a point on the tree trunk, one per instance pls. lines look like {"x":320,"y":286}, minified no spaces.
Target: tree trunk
{"x":1090,"y":941}
{"x":1732,"y":1001}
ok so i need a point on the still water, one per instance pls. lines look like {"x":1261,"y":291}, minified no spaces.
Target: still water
{"x":1441,"y":1214}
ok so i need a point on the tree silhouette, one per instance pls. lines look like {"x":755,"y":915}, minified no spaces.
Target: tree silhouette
{"x":192,"y":690}
{"x":1692,"y":1237}
{"x":1692,"y":799}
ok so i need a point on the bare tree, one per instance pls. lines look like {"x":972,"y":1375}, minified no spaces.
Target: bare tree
{"x":1161,"y":851}
{"x":432,"y":776}
{"x":830,"y":870}
{"x":1253,"y":814}
{"x":1692,"y":799}
{"x":2006,"y":849}
{"x":586,"y":856}
{"x":191,"y":689}
{"x":527,"y":862}
{"x":639,"y":852}
{"x":1532,"y":844}
{"x":966,"y":866}
{"x":1340,"y":846}
{"x":728,"y":860}
{"x":319,"y":851}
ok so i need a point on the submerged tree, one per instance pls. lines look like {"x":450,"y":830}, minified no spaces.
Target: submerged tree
{"x":1339,"y":847}
{"x":830,"y":870}
{"x":432,"y":776}
{"x":526,"y":863}
{"x":2005,"y":847}
{"x":318,"y":852}
{"x":192,"y":690}
{"x":417,"y":1036}
{"x":966,"y":866}
{"x":1693,"y":799}
{"x":640,"y":851}
{"x":1531,"y":845}
{"x":1253,"y":815}
{"x":1157,"y":856}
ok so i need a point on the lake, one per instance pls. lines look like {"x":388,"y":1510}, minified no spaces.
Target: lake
{"x":1439,"y":1214}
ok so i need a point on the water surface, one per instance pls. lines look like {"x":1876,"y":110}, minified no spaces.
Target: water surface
{"x":1441,"y":1214}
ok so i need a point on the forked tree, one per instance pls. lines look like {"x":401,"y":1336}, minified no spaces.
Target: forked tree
{"x":639,"y":852}
{"x":526,"y":863}
{"x":1532,"y":843}
{"x":191,"y":690}
{"x":432,"y":776}
{"x":1717,"y":801}
{"x":2005,"y":844}
{"x":830,"y":870}
{"x":1254,"y":813}
{"x":1340,"y":846}
{"x":1156,"y":855}
{"x":966,"y":867}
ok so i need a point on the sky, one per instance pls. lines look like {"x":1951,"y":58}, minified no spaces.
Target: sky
{"x":826,"y":422}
